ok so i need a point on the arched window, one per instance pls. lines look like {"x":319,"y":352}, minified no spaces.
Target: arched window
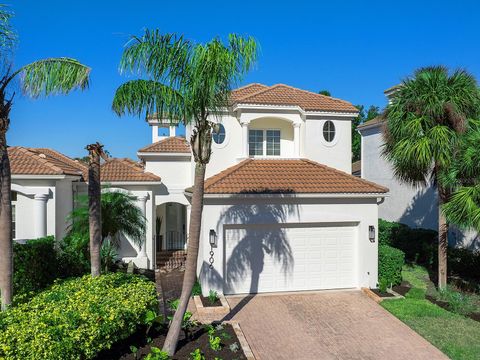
{"x":219,"y":135}
{"x":329,"y":131}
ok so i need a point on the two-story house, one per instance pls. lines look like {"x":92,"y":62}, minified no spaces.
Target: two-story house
{"x":282,"y":211}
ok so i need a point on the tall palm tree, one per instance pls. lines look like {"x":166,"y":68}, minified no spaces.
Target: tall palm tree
{"x":38,"y":79}
{"x":189,"y":82}
{"x":120,"y":216}
{"x":94,"y":206}
{"x":429,"y":114}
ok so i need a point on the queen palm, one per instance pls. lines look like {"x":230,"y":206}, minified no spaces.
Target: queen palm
{"x":428,"y":116}
{"x":38,"y":79}
{"x":189,"y":82}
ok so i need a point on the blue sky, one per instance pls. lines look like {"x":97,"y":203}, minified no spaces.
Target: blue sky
{"x":355,"y":49}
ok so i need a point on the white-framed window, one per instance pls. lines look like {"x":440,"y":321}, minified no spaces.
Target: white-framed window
{"x":329,"y":131}
{"x":219,"y":135}
{"x":14,"y":214}
{"x":264,"y":142}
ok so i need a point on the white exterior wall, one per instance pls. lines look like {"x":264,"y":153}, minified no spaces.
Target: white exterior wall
{"x":336,"y":154}
{"x":175,"y":171}
{"x":63,"y":206}
{"x":413,"y":206}
{"x":219,"y":212}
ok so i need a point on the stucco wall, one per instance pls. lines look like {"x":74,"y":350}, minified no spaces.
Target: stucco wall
{"x":338,"y":153}
{"x":219,"y":212}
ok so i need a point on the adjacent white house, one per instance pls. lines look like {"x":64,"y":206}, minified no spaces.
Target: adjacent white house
{"x":282,"y":210}
{"x":415,"y":206}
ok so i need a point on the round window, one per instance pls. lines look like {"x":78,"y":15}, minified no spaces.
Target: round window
{"x":219,"y":134}
{"x":329,"y":131}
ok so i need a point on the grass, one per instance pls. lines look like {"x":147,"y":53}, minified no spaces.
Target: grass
{"x":455,"y":335}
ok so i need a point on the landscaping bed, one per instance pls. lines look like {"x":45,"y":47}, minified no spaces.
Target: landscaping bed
{"x":138,"y":346}
{"x":454,"y":334}
{"x":208,"y":302}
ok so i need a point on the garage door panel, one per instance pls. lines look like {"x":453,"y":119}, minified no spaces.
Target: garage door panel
{"x":322,"y":257}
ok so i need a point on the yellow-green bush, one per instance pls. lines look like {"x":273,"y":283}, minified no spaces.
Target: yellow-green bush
{"x":77,"y":318}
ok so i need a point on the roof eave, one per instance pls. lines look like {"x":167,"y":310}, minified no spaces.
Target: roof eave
{"x":296,"y":195}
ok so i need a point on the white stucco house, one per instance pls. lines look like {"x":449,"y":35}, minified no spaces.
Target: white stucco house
{"x":282,"y":210}
{"x":415,"y":206}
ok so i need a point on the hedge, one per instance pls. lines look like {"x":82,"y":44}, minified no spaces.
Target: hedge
{"x":77,"y":318}
{"x":390,"y":263}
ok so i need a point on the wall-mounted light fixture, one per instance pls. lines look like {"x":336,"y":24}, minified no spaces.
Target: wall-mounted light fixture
{"x":213,"y":238}
{"x":371,"y":233}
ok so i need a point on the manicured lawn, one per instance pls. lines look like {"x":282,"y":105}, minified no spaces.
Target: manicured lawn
{"x":455,"y":335}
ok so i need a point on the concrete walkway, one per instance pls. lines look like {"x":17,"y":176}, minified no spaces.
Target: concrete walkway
{"x":326,"y":325}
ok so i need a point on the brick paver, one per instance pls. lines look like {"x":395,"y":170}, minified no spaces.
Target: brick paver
{"x":326,"y":325}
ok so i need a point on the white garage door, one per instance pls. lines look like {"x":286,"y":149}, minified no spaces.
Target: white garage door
{"x":277,"y":258}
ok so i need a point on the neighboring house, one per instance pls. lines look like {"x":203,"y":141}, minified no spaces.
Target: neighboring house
{"x":282,"y":211}
{"x":415,"y":206}
{"x":357,"y":168}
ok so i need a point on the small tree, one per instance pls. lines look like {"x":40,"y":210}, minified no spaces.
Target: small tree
{"x":426,"y":120}
{"x":120,"y":216}
{"x":38,"y":79}
{"x":191,"y":83}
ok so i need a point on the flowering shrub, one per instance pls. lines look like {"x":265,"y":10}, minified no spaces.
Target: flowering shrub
{"x":77,"y":318}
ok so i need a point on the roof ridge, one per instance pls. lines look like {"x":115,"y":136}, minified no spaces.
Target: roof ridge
{"x":44,"y":161}
{"x":342,"y":173}
{"x":316,"y":94}
{"x":257,"y":92}
{"x":65,"y":158}
{"x":224,"y":173}
{"x":248,"y":85}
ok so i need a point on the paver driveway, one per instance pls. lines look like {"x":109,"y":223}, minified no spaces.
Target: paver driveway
{"x":326,"y":325}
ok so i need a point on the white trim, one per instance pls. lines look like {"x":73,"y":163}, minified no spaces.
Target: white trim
{"x":159,"y":182}
{"x":360,"y":128}
{"x":335,"y":137}
{"x":163,"y":154}
{"x":296,"y":196}
{"x":43,"y":177}
{"x":31,"y":190}
{"x":242,"y":106}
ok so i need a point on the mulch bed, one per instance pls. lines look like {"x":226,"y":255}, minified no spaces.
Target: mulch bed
{"x":382,"y":294}
{"x":199,"y":340}
{"x":403,"y":288}
{"x":444,"y":305}
{"x":206,"y":302}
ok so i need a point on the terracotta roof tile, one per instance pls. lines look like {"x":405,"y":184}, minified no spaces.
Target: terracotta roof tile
{"x":287,"y":176}
{"x":376,"y":120}
{"x":174,"y":144}
{"x":32,"y":161}
{"x":281,"y":94}
{"x":114,"y":170}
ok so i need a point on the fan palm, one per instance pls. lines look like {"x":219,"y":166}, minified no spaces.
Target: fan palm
{"x":189,"y":82}
{"x":463,"y":207}
{"x":40,"y":78}
{"x":425,"y":121}
{"x":120,"y":216}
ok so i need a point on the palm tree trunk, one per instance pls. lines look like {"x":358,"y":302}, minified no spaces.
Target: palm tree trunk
{"x":192,"y":255}
{"x":6,"y":244}
{"x":442,"y":245}
{"x":94,"y":212}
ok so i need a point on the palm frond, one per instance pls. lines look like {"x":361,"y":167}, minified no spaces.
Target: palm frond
{"x":139,"y":97}
{"x":463,"y":208}
{"x":8,"y":36}
{"x":53,"y":76}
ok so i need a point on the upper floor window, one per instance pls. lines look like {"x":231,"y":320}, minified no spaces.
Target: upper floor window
{"x":264,"y":142}
{"x":329,"y":131}
{"x":219,"y":134}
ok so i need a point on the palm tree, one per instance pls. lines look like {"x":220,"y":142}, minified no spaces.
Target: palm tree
{"x":94,"y":206}
{"x":463,"y":207}
{"x":120,"y":216}
{"x":38,"y":79}
{"x":428,"y":115}
{"x":188,"y":82}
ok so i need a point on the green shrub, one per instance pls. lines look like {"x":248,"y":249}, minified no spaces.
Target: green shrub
{"x":419,"y":245}
{"x":464,"y":263}
{"x":390,"y":262}
{"x":35,"y":265}
{"x":77,"y":318}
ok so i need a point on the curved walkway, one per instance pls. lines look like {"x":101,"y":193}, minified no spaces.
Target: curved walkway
{"x":326,"y":325}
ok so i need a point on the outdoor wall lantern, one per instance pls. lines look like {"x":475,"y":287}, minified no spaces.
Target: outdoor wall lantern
{"x":371,"y":233}
{"x":213,"y":238}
